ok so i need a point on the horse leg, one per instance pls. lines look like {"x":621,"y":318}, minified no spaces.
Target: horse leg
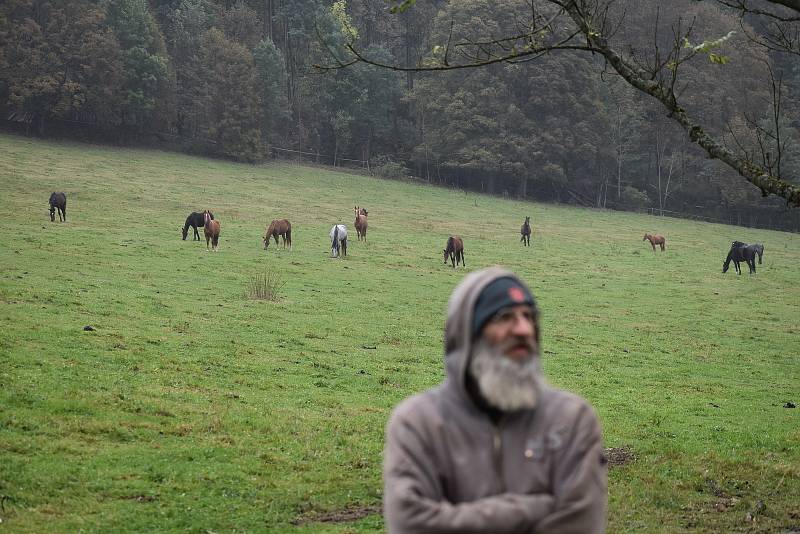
{"x":196,"y":234}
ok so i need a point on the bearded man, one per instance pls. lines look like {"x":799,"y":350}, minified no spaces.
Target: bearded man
{"x":494,"y":449}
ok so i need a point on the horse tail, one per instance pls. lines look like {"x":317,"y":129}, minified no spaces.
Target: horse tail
{"x":335,"y":242}
{"x":289,"y":234}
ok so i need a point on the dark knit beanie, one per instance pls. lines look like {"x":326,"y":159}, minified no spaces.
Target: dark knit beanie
{"x":501,"y":293}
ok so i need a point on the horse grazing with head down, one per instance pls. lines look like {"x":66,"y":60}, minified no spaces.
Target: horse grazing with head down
{"x":740,"y":252}
{"x":194,"y":220}
{"x":279,"y":227}
{"x":360,"y":223}
{"x":338,"y":240}
{"x":58,"y":201}
{"x":656,"y":240}
{"x":455,"y":251}
{"x":211,"y":231}
{"x":526,"y":232}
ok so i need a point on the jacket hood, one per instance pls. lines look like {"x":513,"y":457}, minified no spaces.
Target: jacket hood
{"x":458,"y":339}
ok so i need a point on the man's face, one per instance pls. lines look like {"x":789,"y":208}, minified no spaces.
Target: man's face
{"x":512,"y":331}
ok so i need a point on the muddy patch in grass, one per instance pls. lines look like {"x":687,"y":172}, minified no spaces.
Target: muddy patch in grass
{"x":352,"y":513}
{"x":619,"y":456}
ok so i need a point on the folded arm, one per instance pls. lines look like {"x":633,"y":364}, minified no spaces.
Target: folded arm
{"x":414,"y":499}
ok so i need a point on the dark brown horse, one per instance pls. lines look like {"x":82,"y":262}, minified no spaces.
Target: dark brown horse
{"x":656,"y":240}
{"x":455,"y":251}
{"x":211,"y":231}
{"x":279,"y":227}
{"x":58,"y":200}
{"x":526,"y":232}
{"x":360,"y":223}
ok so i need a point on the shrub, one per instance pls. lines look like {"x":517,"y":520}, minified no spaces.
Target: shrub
{"x":387,"y":168}
{"x":634,"y":198}
{"x":265,"y":286}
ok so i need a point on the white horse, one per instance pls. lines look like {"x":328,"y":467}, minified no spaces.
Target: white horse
{"x":338,"y":240}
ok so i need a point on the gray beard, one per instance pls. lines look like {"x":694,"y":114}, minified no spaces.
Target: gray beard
{"x":505,"y":384}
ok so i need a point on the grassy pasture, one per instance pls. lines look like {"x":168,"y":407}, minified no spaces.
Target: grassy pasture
{"x":192,"y":408}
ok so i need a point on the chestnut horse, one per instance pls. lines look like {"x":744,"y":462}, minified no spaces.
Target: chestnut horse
{"x":58,"y":200}
{"x":211,"y":231}
{"x":360,"y":223}
{"x":455,"y":251}
{"x":526,"y":232}
{"x":279,"y":227}
{"x":656,"y":240}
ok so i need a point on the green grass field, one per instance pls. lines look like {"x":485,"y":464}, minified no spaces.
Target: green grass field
{"x":193,"y":408}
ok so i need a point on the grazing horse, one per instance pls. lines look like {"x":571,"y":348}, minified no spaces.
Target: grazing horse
{"x":338,"y":240}
{"x":656,"y":240}
{"x":279,"y":227}
{"x":194,"y":220}
{"x":211,"y":231}
{"x":361,"y":223}
{"x":740,"y":252}
{"x":526,"y":232}
{"x":455,"y":251}
{"x":58,"y":200}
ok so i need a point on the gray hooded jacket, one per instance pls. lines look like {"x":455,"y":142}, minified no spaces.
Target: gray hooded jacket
{"x":449,"y":468}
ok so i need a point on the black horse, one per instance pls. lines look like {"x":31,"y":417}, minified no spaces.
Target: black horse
{"x":58,"y":200}
{"x":194,"y":220}
{"x":526,"y":232}
{"x":740,"y":252}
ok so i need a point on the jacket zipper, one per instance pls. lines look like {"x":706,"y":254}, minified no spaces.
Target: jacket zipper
{"x":497,"y":453}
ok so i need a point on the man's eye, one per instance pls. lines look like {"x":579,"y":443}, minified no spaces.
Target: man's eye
{"x":504,"y":317}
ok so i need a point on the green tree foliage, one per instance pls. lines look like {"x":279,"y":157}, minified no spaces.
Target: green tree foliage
{"x":226,"y":76}
{"x":144,"y":56}
{"x":229,"y":97}
{"x":271,"y":73}
{"x":187,"y":23}
{"x":58,"y":59}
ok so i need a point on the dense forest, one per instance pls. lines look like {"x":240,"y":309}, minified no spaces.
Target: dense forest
{"x":246,"y":80}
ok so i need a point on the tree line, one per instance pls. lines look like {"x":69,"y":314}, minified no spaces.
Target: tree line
{"x":232,"y":79}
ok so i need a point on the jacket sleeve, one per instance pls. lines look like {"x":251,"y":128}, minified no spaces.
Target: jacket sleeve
{"x":414,"y":500}
{"x":580,"y":480}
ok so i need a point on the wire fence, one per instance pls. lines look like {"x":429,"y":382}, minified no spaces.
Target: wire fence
{"x":763,"y":219}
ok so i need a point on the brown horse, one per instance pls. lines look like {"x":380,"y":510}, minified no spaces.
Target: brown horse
{"x":656,"y":240}
{"x":526,"y":232}
{"x":211,"y":230}
{"x":279,"y":227}
{"x":360,"y":223}
{"x":455,"y":251}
